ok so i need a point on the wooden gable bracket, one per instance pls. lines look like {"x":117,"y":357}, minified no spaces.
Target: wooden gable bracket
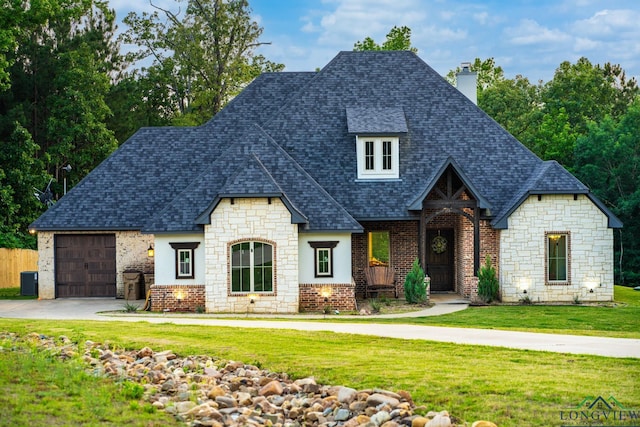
{"x":451,"y":202}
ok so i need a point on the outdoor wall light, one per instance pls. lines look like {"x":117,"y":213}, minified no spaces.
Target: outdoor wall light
{"x":592,"y":284}
{"x":252,"y":298}
{"x":325,"y":293}
{"x":150,"y":251}
{"x":179,"y":295}
{"x":524,"y":283}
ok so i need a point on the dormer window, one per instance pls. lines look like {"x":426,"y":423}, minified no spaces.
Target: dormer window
{"x":377,"y":131}
{"x":378,"y":157}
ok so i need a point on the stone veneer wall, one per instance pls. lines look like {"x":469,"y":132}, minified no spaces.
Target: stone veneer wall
{"x":131,"y":253}
{"x":257,"y":219}
{"x":341,"y":297}
{"x":179,"y":298}
{"x":46,"y":266}
{"x":522,"y":250}
{"x":403,"y":236}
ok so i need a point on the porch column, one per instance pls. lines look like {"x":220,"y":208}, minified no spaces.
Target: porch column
{"x":476,"y":239}
{"x":422,"y":235}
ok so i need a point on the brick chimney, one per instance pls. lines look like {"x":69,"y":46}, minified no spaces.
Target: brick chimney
{"x":467,"y":82}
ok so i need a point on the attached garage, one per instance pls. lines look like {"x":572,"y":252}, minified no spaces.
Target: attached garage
{"x":85,"y":265}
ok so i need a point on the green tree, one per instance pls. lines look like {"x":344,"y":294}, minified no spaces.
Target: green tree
{"x":554,"y":138}
{"x":137,"y":100}
{"x":398,"y":38}
{"x":578,"y":95}
{"x":608,"y":161}
{"x":20,"y":175}
{"x":415,"y":291}
{"x":588,"y":92}
{"x":204,"y":57}
{"x":514,"y":103}
{"x":53,"y":111}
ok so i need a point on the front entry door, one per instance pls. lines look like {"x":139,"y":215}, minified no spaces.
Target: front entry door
{"x":440,"y":259}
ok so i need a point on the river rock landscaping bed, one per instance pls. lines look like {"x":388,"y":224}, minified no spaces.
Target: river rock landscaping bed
{"x":205,"y":391}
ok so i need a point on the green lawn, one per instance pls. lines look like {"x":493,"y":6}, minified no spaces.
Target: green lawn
{"x":619,"y":319}
{"x":509,"y":387}
{"x":13,"y":293}
{"x":39,"y":390}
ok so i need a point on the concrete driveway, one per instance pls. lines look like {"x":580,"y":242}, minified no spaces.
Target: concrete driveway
{"x":112,"y":310}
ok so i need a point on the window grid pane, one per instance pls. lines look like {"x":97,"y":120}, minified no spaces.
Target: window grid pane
{"x":386,"y":155}
{"x":369,"y":155}
{"x":184,"y":262}
{"x":323,"y":261}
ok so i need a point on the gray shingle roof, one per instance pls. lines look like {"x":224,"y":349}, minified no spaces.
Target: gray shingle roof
{"x":292,"y":135}
{"x":376,"y":120}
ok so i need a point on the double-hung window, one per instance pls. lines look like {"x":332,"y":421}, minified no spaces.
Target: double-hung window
{"x":558,"y":259}
{"x":184,"y":259}
{"x":378,"y":157}
{"x":323,"y":258}
{"x":252,"y":267}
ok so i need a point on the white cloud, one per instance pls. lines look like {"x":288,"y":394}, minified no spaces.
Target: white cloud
{"x":529,"y":32}
{"x":610,"y":23}
{"x":347,"y":21}
{"x":481,"y":17}
{"x":585,"y":44}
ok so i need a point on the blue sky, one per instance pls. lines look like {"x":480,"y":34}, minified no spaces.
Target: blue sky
{"x":527,"y":37}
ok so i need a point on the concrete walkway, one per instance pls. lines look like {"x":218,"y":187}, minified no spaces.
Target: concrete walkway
{"x":112,"y":310}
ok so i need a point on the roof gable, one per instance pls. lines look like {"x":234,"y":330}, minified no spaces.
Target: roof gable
{"x":277,"y":175}
{"x":550,"y":178}
{"x":416,"y":205}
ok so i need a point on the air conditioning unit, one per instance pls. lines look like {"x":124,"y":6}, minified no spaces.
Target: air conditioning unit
{"x":29,"y":283}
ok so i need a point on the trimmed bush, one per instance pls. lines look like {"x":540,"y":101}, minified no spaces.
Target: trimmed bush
{"x":487,"y":282}
{"x":415,"y":291}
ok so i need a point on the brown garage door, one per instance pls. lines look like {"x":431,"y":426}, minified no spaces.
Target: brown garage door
{"x":85,"y":265}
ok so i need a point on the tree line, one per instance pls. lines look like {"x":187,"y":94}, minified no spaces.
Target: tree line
{"x":71,"y":92}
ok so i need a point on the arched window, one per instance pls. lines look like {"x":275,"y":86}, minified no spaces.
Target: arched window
{"x":252,"y":267}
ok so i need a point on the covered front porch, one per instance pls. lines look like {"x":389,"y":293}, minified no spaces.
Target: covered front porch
{"x":455,"y":234}
{"x":450,"y":236}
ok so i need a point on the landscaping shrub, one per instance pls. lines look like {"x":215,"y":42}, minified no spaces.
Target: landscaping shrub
{"x":487,"y":282}
{"x":415,"y":291}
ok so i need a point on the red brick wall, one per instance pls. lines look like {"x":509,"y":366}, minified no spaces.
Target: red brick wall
{"x":403,"y":236}
{"x":404,"y":242}
{"x":342,"y":297}
{"x":165,"y":298}
{"x":489,"y":245}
